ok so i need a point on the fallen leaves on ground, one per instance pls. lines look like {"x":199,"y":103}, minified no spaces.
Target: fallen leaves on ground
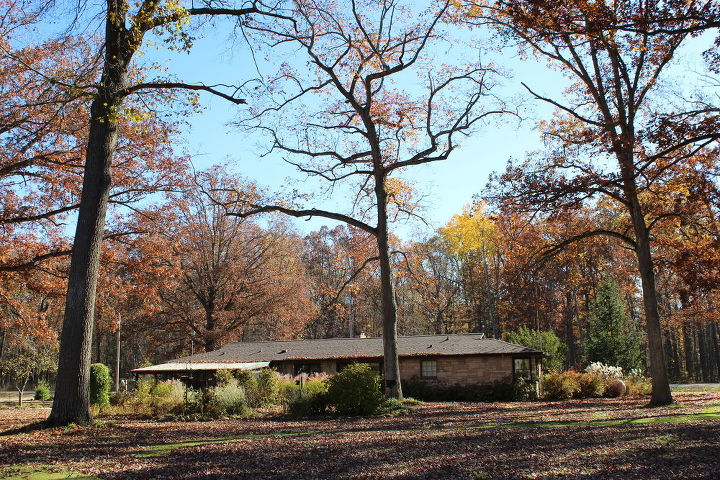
{"x":579,"y":439}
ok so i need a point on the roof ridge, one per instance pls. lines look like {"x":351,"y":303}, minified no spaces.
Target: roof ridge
{"x":362,"y":338}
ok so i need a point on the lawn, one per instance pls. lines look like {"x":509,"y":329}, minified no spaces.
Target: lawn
{"x":579,"y":439}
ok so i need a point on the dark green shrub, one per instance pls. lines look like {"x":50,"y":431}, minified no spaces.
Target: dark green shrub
{"x":560,"y":386}
{"x":355,"y":390}
{"x":523,"y":391}
{"x":431,"y":392}
{"x":99,"y":384}
{"x":42,"y":392}
{"x":316,"y":403}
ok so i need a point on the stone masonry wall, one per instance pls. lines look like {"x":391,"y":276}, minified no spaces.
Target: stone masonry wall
{"x":462,"y":370}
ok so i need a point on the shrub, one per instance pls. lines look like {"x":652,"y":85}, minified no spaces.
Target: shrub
{"x":591,"y":385}
{"x":316,"y":403}
{"x":231,"y":398}
{"x":355,"y":390}
{"x":431,"y":392}
{"x":560,"y":386}
{"x":42,"y":391}
{"x":395,"y":406}
{"x":638,"y":387}
{"x":223,"y":377}
{"x":99,"y":384}
{"x":607,"y":372}
{"x":268,"y":387}
{"x":522,"y":391}
{"x":305,"y":398}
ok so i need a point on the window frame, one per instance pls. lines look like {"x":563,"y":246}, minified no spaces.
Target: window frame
{"x":434,"y":369}
{"x":525,"y":374}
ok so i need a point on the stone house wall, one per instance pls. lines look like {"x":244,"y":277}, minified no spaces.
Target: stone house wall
{"x":463,"y":370}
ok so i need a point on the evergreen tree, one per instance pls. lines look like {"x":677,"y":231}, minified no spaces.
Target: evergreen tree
{"x":612,"y":337}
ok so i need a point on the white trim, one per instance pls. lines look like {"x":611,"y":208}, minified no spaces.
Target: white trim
{"x":182,"y":367}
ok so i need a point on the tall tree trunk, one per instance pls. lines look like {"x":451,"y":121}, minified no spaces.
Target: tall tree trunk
{"x":570,"y":339}
{"x":661,"y":394}
{"x":71,"y":402}
{"x":391,"y":364}
{"x":689,"y":351}
{"x":716,"y":342}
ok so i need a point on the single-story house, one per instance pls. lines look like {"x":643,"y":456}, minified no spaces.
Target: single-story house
{"x":448,"y":359}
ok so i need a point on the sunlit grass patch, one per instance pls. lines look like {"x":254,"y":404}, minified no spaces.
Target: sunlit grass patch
{"x":41,"y":472}
{"x":697,"y":388}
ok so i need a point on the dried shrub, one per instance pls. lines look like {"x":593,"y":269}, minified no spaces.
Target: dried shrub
{"x":591,"y":385}
{"x":560,"y":386}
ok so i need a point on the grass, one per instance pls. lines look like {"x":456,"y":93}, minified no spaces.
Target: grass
{"x":697,"y":388}
{"x":41,"y":472}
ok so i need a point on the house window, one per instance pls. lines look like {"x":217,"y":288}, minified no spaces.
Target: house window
{"x":428,"y":369}
{"x":307,"y":368}
{"x":522,"y":368}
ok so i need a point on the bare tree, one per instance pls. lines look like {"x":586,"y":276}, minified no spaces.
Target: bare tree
{"x":346,"y":114}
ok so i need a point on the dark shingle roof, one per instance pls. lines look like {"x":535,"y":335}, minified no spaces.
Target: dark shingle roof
{"x":460,"y":344}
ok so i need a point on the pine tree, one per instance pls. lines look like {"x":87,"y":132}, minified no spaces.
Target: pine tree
{"x":612,"y":337}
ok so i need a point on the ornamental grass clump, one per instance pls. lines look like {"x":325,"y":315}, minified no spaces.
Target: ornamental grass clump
{"x":230,"y":399}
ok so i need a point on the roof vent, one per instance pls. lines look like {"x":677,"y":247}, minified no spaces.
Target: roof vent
{"x":430,"y":346}
{"x":222,"y":353}
{"x":282,"y":351}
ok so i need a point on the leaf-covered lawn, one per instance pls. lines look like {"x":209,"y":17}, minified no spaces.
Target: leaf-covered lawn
{"x":584,"y":439}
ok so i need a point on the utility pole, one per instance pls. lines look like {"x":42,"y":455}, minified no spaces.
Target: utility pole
{"x":117,"y":357}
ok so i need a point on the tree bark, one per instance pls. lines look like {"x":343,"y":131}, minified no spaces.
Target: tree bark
{"x":71,"y":402}
{"x":391,"y":364}
{"x":661,"y":394}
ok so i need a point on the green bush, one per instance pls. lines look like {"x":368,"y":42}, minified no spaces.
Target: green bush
{"x":355,"y":390}
{"x":42,"y":392}
{"x":591,"y":385}
{"x":314,"y":403}
{"x":268,"y":387}
{"x":99,"y":384}
{"x":560,"y":386}
{"x":523,"y":391}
